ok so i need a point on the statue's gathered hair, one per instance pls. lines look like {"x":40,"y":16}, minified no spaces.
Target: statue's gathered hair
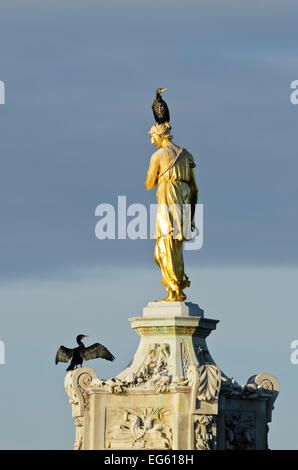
{"x":161,"y":130}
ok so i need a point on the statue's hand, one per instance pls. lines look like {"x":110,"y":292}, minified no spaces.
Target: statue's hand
{"x":195,"y":229}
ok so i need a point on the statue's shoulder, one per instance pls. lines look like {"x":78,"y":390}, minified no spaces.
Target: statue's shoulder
{"x":189,"y":157}
{"x":158,"y":154}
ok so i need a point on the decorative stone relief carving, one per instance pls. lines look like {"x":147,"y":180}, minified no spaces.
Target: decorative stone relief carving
{"x":204,"y":432}
{"x":209,"y":381}
{"x":239,"y":431}
{"x":230,"y":386}
{"x":156,"y":361}
{"x":113,"y":385}
{"x":153,"y":374}
{"x":138,"y":428}
{"x":205,"y":382}
{"x":159,"y":383}
{"x":79,"y":422}
{"x":261,"y":385}
{"x":185,"y":357}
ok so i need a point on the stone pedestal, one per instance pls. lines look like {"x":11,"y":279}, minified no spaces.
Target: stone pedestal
{"x":172,"y":395}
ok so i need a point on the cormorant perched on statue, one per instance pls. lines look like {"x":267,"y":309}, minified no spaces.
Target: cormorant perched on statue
{"x":160,"y":108}
{"x":81,"y":353}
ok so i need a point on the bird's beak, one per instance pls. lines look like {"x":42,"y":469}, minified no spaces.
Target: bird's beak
{"x":86,"y":336}
{"x":163,"y":89}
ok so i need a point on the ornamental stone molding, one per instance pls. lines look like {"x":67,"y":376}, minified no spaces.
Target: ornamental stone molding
{"x":172,"y":395}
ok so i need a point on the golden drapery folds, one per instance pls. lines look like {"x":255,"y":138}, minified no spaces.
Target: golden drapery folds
{"x":172,"y":168}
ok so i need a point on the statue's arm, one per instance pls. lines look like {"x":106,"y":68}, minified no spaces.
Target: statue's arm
{"x":152,"y":174}
{"x":194,"y":192}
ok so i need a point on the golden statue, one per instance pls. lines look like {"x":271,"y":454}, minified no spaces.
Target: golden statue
{"x":172,"y":168}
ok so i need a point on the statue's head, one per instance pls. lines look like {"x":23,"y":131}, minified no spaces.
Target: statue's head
{"x":160,"y":134}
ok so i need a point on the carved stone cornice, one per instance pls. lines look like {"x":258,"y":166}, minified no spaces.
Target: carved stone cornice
{"x":165,"y":330}
{"x":189,"y":325}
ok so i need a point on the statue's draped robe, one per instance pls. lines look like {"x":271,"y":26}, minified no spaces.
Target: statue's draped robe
{"x":171,"y":168}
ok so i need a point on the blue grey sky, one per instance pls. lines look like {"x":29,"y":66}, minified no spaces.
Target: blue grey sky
{"x":80,"y":78}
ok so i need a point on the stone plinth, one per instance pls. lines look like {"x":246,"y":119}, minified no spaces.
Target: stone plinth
{"x":172,"y":395}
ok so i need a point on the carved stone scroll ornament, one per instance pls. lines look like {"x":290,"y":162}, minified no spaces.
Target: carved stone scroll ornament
{"x":138,"y":428}
{"x":76,"y":382}
{"x":204,"y":432}
{"x":268,"y":386}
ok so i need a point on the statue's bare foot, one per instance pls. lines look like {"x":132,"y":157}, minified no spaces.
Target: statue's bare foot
{"x":171,"y":297}
{"x":181,"y":296}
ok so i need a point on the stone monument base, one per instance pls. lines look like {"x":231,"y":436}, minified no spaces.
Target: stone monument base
{"x":172,"y":395}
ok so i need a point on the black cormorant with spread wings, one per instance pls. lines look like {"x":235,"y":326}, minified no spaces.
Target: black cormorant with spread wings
{"x":81,"y":353}
{"x":160,"y":108}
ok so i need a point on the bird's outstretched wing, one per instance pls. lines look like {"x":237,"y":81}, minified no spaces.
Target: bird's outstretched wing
{"x":97,"y":350}
{"x":63,"y":354}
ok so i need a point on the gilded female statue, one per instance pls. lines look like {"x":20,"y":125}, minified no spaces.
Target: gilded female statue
{"x":172,"y":168}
